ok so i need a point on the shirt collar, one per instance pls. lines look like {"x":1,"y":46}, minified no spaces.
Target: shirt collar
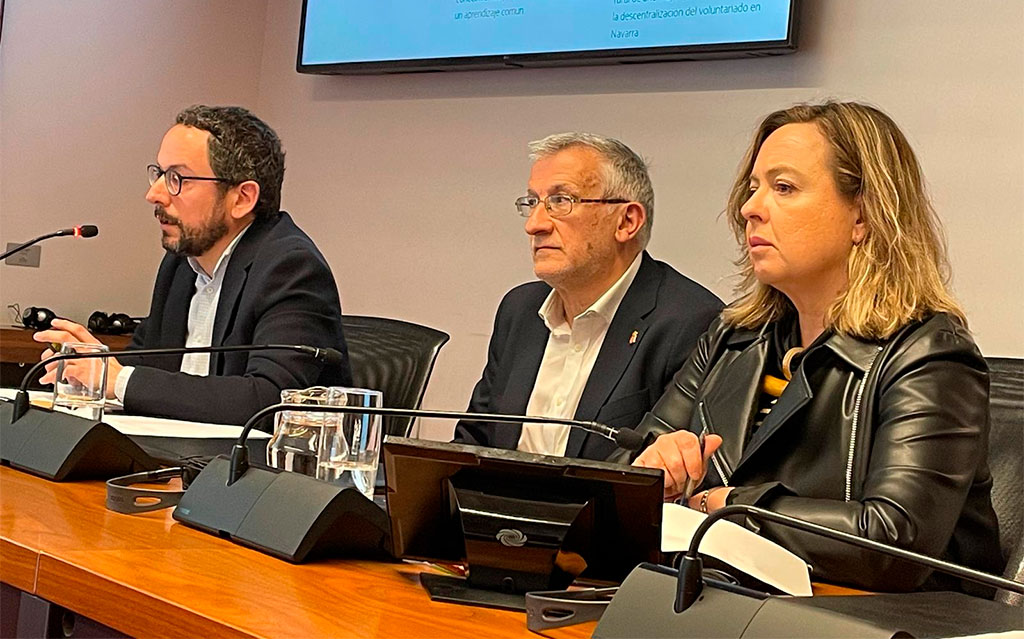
{"x":222,"y":261}
{"x":553,"y":312}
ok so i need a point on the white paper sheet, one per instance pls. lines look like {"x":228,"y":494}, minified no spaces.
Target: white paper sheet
{"x":154,"y":426}
{"x":738,"y":547}
{"x":157,"y":427}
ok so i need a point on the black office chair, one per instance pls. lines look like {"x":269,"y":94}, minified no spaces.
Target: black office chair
{"x":394,"y":357}
{"x":1006,"y":460}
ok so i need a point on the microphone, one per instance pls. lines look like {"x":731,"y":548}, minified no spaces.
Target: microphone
{"x":293,"y":516}
{"x":328,"y":356}
{"x":62,"y":447}
{"x":690,"y":581}
{"x":85,"y":230}
{"x":626,"y":438}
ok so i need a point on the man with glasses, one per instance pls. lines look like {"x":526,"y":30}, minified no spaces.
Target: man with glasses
{"x":602,"y":333}
{"x":237,"y":271}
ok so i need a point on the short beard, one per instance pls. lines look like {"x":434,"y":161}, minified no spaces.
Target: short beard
{"x":195,"y":241}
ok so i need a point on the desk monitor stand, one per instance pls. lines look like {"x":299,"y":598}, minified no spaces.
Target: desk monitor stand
{"x":514,"y":544}
{"x":520,"y":522}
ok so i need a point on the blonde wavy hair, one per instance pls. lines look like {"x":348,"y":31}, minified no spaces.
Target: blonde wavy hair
{"x":899,"y":272}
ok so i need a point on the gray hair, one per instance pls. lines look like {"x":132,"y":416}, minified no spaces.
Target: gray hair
{"x":241,"y":147}
{"x":625,"y":172}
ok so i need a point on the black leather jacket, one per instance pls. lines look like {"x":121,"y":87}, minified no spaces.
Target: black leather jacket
{"x":887,"y":441}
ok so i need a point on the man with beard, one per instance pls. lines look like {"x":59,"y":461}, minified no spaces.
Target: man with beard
{"x":237,"y":271}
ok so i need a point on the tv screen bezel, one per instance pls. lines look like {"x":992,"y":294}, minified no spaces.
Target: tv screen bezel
{"x":557,"y":58}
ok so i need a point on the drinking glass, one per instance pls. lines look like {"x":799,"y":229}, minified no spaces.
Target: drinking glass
{"x":80,"y":387}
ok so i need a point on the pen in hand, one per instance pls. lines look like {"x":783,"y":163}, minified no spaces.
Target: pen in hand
{"x":691,"y":483}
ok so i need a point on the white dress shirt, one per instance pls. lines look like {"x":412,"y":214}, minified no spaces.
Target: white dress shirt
{"x":202,"y":312}
{"x":568,"y":361}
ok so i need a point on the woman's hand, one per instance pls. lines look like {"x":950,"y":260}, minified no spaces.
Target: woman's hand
{"x":714,"y":499}
{"x":679,"y":455}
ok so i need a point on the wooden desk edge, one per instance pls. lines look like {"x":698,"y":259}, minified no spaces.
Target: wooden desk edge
{"x":119,"y":606}
{"x":19,"y":565}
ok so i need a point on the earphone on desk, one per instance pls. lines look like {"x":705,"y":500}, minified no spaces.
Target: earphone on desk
{"x":123,"y":497}
{"x":113,"y":324}
{"x":38,"y":318}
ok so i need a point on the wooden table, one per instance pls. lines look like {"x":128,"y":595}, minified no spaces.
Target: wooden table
{"x":149,"y":576}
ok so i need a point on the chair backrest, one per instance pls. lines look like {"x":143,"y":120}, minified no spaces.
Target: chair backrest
{"x":394,"y":357}
{"x":1006,"y":448}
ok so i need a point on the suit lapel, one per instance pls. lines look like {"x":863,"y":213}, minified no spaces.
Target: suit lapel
{"x":618,"y":348}
{"x":797,"y":394}
{"x":727,"y":409}
{"x":234,"y":283}
{"x":179,"y":298}
{"x":528,"y":340}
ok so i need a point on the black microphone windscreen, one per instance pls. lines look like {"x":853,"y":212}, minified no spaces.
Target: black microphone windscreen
{"x":629,"y":439}
{"x":88,"y":230}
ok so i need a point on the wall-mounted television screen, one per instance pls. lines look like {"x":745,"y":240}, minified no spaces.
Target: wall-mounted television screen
{"x":359,"y":36}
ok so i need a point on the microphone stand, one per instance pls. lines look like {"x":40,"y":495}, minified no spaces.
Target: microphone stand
{"x":60,"y":233}
{"x":63,"y":447}
{"x":690,"y":582}
{"x":660,"y":603}
{"x":293,"y":516}
{"x":626,"y":438}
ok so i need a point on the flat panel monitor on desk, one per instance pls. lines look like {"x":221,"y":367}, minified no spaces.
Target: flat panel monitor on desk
{"x":521,"y":522}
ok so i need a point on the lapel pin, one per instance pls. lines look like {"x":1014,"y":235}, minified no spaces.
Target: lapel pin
{"x":632,"y":338}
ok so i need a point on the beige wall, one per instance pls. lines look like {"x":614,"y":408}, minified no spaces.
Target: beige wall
{"x":87,"y":89}
{"x":407,"y":181}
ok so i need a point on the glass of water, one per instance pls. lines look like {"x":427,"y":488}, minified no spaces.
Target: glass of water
{"x":297,"y":434}
{"x":80,"y":387}
{"x":350,"y":448}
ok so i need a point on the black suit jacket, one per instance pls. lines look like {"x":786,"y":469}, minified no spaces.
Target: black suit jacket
{"x":667,"y":310}
{"x":278,"y":289}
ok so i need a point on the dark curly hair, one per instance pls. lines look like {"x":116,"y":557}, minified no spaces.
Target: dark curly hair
{"x":241,"y":147}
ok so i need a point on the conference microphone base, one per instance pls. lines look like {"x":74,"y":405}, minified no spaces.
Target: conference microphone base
{"x":63,"y":447}
{"x":643,"y":606}
{"x":288,"y":515}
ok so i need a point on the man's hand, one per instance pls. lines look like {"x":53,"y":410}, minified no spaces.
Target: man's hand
{"x":67,"y":331}
{"x":678,"y":454}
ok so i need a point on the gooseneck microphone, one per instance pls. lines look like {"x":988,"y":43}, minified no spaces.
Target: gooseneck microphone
{"x":64,"y":447}
{"x":690,"y":582}
{"x":85,"y":230}
{"x":328,"y":356}
{"x":626,"y":438}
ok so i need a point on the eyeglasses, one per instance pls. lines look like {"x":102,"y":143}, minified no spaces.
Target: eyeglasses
{"x":173,"y":179}
{"x":559,"y":204}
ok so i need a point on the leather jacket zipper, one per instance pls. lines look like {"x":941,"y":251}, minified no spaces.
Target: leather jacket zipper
{"x":719,"y":465}
{"x":853,"y":429}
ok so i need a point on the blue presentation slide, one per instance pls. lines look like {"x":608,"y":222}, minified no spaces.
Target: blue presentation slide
{"x":340,"y":31}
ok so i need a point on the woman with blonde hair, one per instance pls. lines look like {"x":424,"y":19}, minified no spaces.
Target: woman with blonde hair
{"x":842,"y":387}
